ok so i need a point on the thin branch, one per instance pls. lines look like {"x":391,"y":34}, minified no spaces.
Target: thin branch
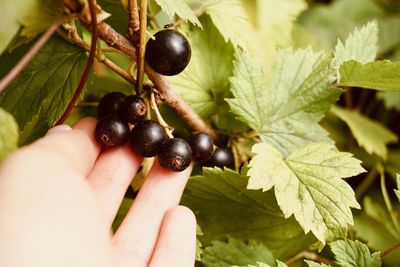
{"x":142,"y":46}
{"x":390,"y":249}
{"x":116,"y":40}
{"x":348,"y":98}
{"x":388,"y":203}
{"x":366,"y":183}
{"x":308,"y":255}
{"x":32,"y":52}
{"x":77,"y":40}
{"x":133,"y":29}
{"x":89,"y":63}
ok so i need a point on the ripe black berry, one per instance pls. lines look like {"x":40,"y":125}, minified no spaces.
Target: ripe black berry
{"x":222,"y":157}
{"x":201,"y":145}
{"x":132,"y":109}
{"x":147,"y":137}
{"x":111,"y":132}
{"x":175,"y":155}
{"x":169,"y":53}
{"x":110,"y":104}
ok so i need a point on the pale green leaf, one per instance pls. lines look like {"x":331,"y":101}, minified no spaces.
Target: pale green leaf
{"x":235,"y":251}
{"x":259,"y":264}
{"x":285,"y":113}
{"x":199,"y":246}
{"x":204,"y":83}
{"x":40,"y":16}
{"x":361,"y":46}
{"x":308,"y":184}
{"x":230,"y":18}
{"x":9,"y":133}
{"x":315,"y":264}
{"x":390,"y":99}
{"x":371,"y":135}
{"x":180,"y":8}
{"x":327,"y":23}
{"x":44,"y":87}
{"x":379,"y":75}
{"x":224,"y":207}
{"x":398,"y":187}
{"x":350,"y":253}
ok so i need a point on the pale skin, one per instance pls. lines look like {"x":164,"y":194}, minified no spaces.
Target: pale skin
{"x":59,"y":197}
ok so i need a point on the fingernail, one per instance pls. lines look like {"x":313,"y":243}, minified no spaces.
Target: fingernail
{"x":59,"y":128}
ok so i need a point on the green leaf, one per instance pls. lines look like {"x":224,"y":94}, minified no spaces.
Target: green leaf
{"x":44,"y":87}
{"x":308,"y":183}
{"x":235,"y":251}
{"x":354,"y":253}
{"x":40,"y":16}
{"x":397,"y":192}
{"x":315,"y":264}
{"x":119,"y":15}
{"x":180,"y":8}
{"x":224,"y":207}
{"x":390,"y":99}
{"x":379,"y":75}
{"x":361,"y":46}
{"x":230,"y":18}
{"x":285,"y":113}
{"x":371,"y":135}
{"x":122,"y":211}
{"x":326,"y":23}
{"x":9,"y":134}
{"x":204,"y":83}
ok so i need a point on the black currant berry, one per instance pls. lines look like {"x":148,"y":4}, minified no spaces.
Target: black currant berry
{"x":222,"y":157}
{"x":110,"y":104}
{"x":175,"y":155}
{"x":147,"y":137}
{"x":111,"y":132}
{"x":201,"y":145}
{"x":168,"y":53}
{"x":132,"y":109}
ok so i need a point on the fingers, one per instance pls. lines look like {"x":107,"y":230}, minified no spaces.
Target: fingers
{"x":138,"y":233}
{"x":111,"y":176}
{"x":62,"y":150}
{"x":176,"y":245}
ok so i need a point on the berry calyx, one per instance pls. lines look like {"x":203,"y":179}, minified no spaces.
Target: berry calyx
{"x":133,"y":109}
{"x":168,"y":53}
{"x":222,"y":157}
{"x":111,"y":132}
{"x":147,"y":137}
{"x":175,"y":155}
{"x":202,"y":146}
{"x":110,"y":104}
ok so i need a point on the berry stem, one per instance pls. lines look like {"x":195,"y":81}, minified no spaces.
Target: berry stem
{"x":142,"y":46}
{"x":168,"y":129}
{"x":171,"y":98}
{"x":74,"y":38}
{"x":33,"y":51}
{"x":89,"y":63}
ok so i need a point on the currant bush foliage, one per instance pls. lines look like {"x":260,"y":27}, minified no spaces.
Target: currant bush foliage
{"x":281,"y":79}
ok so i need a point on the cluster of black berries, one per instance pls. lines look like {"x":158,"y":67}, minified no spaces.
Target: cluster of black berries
{"x":117,"y":112}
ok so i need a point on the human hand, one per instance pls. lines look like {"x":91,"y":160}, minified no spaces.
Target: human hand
{"x":59,"y":197}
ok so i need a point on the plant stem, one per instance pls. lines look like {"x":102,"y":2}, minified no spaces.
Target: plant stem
{"x":133,"y":28}
{"x":366,"y":183}
{"x":171,"y":98}
{"x":74,"y":38}
{"x":389,"y":203}
{"x":32,"y":52}
{"x":348,"y":98}
{"x":160,"y":119}
{"x":142,"y":46}
{"x":89,"y":63}
{"x":309,"y":256}
{"x":390,"y":249}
